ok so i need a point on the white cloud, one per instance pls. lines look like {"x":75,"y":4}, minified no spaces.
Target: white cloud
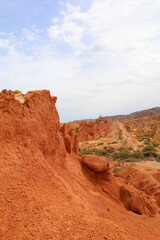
{"x":118,"y":39}
{"x":72,"y":36}
{"x":4,"y":43}
{"x":32,"y":34}
{"x":102,"y":23}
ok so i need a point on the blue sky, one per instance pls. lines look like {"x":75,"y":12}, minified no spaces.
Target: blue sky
{"x":99,"y":57}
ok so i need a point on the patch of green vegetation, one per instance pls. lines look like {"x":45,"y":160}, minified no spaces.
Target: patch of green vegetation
{"x":109,"y":149}
{"x":112,"y":142}
{"x":158,"y":170}
{"x":120,"y":166}
{"x":77,"y":129}
{"x":134,"y":159}
{"x":92,"y":151}
{"x":147,"y":141}
{"x":128,"y":129}
{"x":100,"y":144}
{"x":155,"y":144}
{"x":101,"y":136}
{"x":158,"y":158}
{"x":116,"y":170}
{"x":145,"y":137}
{"x":148,"y":169}
{"x":142,"y":137}
{"x":149,"y":151}
{"x":122,"y":154}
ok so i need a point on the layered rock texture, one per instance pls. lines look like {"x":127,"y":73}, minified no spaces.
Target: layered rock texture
{"x":126,"y":131}
{"x":120,"y":133}
{"x":144,"y":126}
{"x":48,"y":192}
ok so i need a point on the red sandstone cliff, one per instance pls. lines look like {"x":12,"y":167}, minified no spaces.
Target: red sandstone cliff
{"x":49,"y":193}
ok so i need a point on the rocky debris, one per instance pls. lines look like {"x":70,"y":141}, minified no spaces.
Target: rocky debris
{"x":96,"y":164}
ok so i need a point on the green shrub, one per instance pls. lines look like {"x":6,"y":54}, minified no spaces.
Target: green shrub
{"x":112,"y":143}
{"x":149,"y":151}
{"x":155,"y":144}
{"x":149,"y":148}
{"x":100,"y":144}
{"x":115,"y":170}
{"x":109,"y":149}
{"x":126,"y":155}
{"x":77,"y":129}
{"x":158,"y":158}
{"x":122,"y":154}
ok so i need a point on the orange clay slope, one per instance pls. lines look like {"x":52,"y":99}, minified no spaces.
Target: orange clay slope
{"x":49,"y":193}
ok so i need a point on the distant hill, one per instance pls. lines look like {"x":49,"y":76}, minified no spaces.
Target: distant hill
{"x":134,"y":115}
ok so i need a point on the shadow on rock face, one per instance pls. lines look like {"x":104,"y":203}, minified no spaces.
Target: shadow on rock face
{"x":96,"y":169}
{"x":135,"y":201}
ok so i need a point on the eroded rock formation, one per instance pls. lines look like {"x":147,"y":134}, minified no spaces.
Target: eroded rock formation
{"x":119,"y":132}
{"x":96,"y":164}
{"x":70,"y":139}
{"x":47,"y":192}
